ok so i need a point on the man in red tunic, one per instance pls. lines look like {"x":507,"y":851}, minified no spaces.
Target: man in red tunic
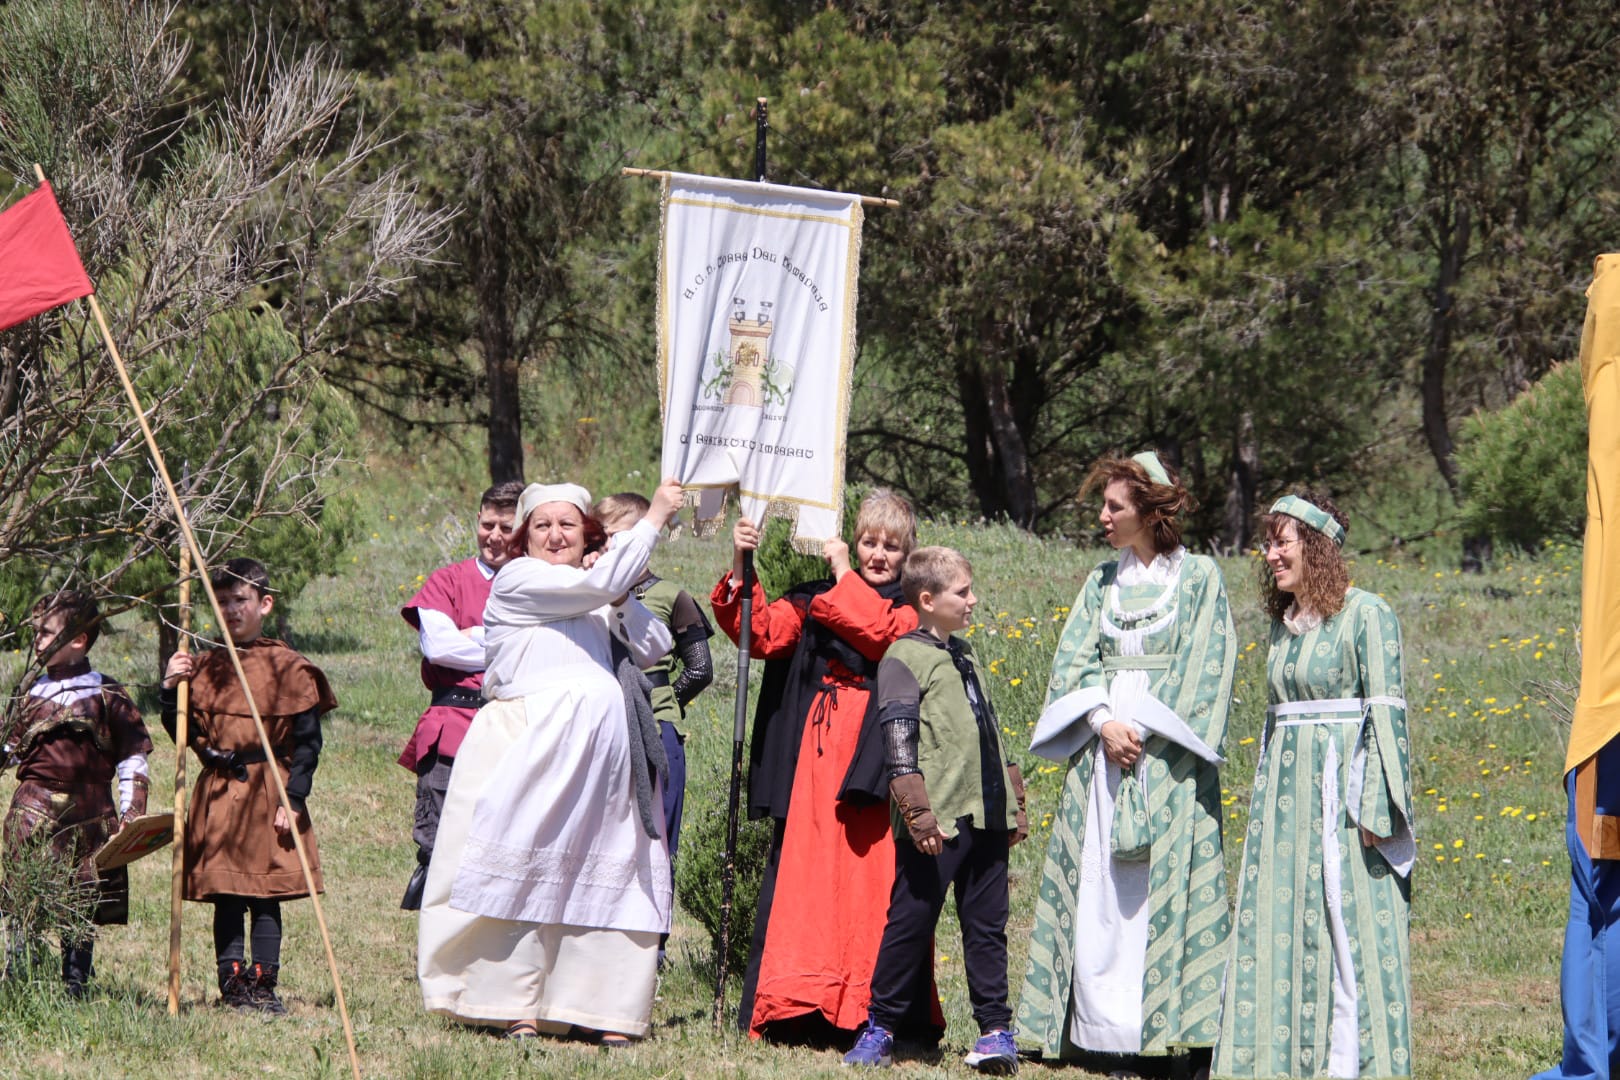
{"x":448,"y":616}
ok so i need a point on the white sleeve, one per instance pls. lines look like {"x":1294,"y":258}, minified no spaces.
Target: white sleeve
{"x":643,"y":633}
{"x":128,"y":770}
{"x":446,"y":646}
{"x":530,"y":592}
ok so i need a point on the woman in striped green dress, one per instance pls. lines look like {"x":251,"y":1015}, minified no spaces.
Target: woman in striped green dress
{"x":1318,"y":982}
{"x":1131,"y":919}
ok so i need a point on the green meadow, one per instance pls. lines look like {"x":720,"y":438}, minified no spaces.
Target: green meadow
{"x":1491,"y":669}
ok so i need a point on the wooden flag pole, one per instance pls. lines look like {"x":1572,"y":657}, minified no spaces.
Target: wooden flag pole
{"x":236,"y":661}
{"x":739,"y":727}
{"x":182,"y":713}
{"x":659,"y":174}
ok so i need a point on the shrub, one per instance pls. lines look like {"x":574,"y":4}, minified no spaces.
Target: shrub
{"x":42,"y":897}
{"x":780,"y":567}
{"x":702,"y":860}
{"x":1523,"y":467}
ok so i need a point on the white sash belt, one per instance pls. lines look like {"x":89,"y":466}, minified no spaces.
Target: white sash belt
{"x":1344,"y":710}
{"x":1399,"y":849}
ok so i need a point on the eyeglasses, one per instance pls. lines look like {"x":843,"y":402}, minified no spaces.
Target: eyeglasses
{"x":1269,"y":546}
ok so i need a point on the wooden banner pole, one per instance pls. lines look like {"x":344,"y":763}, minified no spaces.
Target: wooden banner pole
{"x":236,"y":659}
{"x":659,"y":174}
{"x":182,"y":714}
{"x":739,"y":727}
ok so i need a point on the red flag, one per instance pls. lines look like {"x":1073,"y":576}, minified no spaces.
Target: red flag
{"x":39,"y":266}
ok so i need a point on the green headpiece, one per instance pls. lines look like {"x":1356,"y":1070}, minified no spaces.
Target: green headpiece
{"x":1308,"y":512}
{"x":1155,"y":468}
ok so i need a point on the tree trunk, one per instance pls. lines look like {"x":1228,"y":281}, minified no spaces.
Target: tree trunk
{"x":1442,"y":325}
{"x":1011,"y":452}
{"x":976,"y":432}
{"x":997,"y":457}
{"x":505,"y":415}
{"x":497,"y":341}
{"x":168,"y":636}
{"x":1242,"y":484}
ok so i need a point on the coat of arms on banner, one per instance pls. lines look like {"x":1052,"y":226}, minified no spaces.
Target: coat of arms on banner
{"x":756,"y":318}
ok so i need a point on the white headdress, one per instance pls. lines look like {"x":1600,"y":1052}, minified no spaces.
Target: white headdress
{"x":539,"y":494}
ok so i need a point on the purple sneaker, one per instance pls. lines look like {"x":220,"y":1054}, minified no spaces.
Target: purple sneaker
{"x":874,"y":1049}
{"x":995,"y":1053}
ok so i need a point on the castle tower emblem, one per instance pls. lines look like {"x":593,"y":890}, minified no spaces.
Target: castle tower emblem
{"x":750,"y":351}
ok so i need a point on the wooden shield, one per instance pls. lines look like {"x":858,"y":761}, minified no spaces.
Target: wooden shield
{"x":136,"y":840}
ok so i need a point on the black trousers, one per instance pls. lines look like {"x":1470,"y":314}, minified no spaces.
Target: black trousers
{"x":432,"y":781}
{"x":975,"y":864}
{"x":231,"y":938}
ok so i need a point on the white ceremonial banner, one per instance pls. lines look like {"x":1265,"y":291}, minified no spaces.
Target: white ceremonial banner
{"x":756,"y":339}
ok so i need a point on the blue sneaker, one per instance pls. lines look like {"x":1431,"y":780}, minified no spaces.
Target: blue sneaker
{"x":875,"y":1048}
{"x":995,"y":1053}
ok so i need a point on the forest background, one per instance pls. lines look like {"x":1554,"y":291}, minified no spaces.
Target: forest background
{"x":1339,"y":244}
{"x":1281,"y":242}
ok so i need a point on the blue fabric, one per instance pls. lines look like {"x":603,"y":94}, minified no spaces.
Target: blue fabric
{"x":674,"y":787}
{"x":1591,"y":996}
{"x":674,"y":783}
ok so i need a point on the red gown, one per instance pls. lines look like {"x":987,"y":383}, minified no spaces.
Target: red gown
{"x":837,"y":862}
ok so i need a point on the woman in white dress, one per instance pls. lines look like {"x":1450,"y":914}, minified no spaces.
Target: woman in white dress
{"x":549,"y":885}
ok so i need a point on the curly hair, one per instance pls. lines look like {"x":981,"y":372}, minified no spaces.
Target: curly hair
{"x":1324,"y":577}
{"x":1159,"y":505}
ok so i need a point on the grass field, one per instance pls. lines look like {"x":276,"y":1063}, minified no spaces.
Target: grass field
{"x":1490,"y":659}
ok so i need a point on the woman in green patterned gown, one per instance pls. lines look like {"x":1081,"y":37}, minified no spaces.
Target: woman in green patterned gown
{"x":1131,"y":920}
{"x":1318,"y":981}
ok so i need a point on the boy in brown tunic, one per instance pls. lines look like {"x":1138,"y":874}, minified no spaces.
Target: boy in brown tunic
{"x":71,"y":735}
{"x":239,"y":847}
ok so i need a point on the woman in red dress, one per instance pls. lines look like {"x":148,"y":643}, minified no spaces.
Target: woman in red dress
{"x":831,"y":866}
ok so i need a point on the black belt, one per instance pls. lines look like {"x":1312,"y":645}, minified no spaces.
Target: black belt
{"x":256,"y":755}
{"x":234,"y":763}
{"x":459,"y":697}
{"x":657,"y":678}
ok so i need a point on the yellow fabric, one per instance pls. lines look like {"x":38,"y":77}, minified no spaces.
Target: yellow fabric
{"x":1597,"y":709}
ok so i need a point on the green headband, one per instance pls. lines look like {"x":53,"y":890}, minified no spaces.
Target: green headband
{"x":1155,"y":469}
{"x":1308,"y":512}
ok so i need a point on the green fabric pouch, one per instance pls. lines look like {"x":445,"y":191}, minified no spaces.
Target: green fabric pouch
{"x":1130,"y":837}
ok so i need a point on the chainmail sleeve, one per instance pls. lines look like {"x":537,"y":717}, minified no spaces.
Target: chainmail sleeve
{"x":900,"y":744}
{"x":899,"y":705}
{"x":697,"y":667}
